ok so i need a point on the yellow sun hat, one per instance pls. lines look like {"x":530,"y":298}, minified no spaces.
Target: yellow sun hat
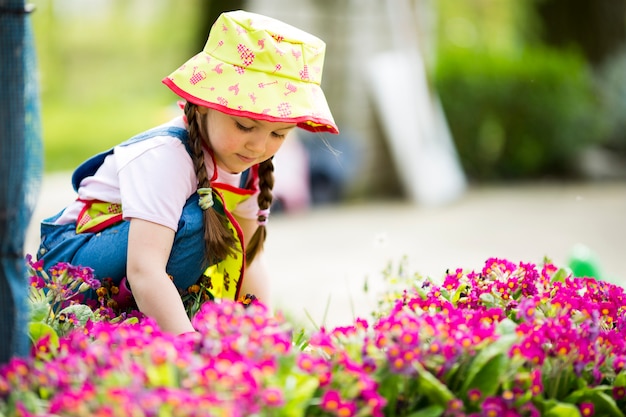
{"x":258,"y":67}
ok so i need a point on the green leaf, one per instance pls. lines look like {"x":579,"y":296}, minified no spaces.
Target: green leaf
{"x":161,"y":375}
{"x":579,"y":394}
{"x":298,"y":390}
{"x":390,"y":389}
{"x":298,"y":387}
{"x":39,"y":305}
{"x":429,"y":386}
{"x":488,"y":299}
{"x":604,"y":404}
{"x":489,"y":365}
{"x":560,"y":275}
{"x":82,"y":312}
{"x":300,"y":340}
{"x":507,"y":327}
{"x":563,"y":410}
{"x":620,"y":379}
{"x":29,"y":399}
{"x":39,"y":310}
{"x":490,"y":375}
{"x":445,"y":293}
{"x":166,"y":410}
{"x":431,"y":411}
{"x":37,"y":330}
{"x":420,"y":291}
{"x":459,"y":291}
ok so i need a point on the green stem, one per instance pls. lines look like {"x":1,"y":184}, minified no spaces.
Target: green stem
{"x":555,"y":387}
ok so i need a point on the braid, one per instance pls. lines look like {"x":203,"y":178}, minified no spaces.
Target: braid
{"x":266,"y":184}
{"x":219,"y":240}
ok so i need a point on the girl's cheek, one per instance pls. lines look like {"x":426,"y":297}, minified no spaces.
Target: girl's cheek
{"x":278,"y":143}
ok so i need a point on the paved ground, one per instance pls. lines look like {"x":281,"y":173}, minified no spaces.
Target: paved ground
{"x":321,"y":258}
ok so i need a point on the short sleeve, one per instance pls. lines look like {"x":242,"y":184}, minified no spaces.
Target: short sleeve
{"x":156,"y":178}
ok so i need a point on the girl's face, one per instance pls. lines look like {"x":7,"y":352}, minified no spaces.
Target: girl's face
{"x":239,"y":142}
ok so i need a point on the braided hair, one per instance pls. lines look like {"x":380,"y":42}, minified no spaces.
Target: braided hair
{"x":218,"y":239}
{"x":266,"y":184}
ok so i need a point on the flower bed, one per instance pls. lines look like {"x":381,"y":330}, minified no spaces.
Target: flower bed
{"x":509,"y":340}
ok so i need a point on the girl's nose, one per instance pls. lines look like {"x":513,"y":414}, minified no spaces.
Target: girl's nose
{"x":257,"y":143}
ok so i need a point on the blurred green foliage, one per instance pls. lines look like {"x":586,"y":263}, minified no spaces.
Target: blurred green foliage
{"x":611,"y":84}
{"x":497,"y":26}
{"x":519,"y":116}
{"x":516,"y":108}
{"x":101,"y":65}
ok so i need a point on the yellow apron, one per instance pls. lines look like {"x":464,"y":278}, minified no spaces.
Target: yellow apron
{"x":225,"y":277}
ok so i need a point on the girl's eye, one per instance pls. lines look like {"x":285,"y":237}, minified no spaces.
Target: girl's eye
{"x":243,"y":128}
{"x":279,"y":135}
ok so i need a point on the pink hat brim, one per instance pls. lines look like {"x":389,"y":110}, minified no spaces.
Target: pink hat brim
{"x":307,"y":122}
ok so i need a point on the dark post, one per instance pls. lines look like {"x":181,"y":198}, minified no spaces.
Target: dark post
{"x":20,"y":169}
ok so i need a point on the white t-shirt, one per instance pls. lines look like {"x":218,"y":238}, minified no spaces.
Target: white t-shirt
{"x":152,"y":180}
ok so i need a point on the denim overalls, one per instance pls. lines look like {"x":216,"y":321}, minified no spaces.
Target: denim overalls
{"x":105,"y":250}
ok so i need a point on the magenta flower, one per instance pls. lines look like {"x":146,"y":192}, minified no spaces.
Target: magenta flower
{"x":507,"y":340}
{"x":37,"y":281}
{"x":494,"y":407}
{"x":536,"y":387}
{"x":587,"y":409}
{"x":347,"y":409}
{"x":331,"y":401}
{"x":474,"y":395}
{"x":273,"y":397}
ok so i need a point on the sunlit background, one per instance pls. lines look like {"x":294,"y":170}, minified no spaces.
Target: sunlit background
{"x":527,"y":87}
{"x":444,"y":105}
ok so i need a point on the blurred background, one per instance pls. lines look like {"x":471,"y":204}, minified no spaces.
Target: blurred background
{"x":531,"y":90}
{"x":461,"y":112}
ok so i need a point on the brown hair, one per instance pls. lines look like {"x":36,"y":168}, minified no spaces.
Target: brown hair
{"x":266,"y":184}
{"x":219,"y":240}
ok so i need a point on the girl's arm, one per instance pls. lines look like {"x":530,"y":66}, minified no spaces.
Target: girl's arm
{"x":256,"y":277}
{"x":149,"y":247}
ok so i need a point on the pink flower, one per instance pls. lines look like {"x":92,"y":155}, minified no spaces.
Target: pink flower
{"x":374,"y":401}
{"x":536,"y":386}
{"x":273,"y":397}
{"x":619,"y":393}
{"x":474,"y":395}
{"x":346,"y":409}
{"x":586,"y":409}
{"x":331,"y":401}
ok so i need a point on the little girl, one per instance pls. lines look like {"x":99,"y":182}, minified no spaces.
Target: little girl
{"x":192,"y":196}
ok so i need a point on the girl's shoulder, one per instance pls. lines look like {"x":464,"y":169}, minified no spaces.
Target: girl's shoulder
{"x":164,"y":144}
{"x":164,"y":133}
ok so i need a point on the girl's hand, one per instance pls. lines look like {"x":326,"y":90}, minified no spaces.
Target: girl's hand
{"x":149,"y":247}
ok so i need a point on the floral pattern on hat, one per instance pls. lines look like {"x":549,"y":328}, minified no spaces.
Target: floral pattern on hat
{"x":258,"y":67}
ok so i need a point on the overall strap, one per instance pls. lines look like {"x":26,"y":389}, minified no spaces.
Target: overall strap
{"x":91,"y":165}
{"x":245,"y":176}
